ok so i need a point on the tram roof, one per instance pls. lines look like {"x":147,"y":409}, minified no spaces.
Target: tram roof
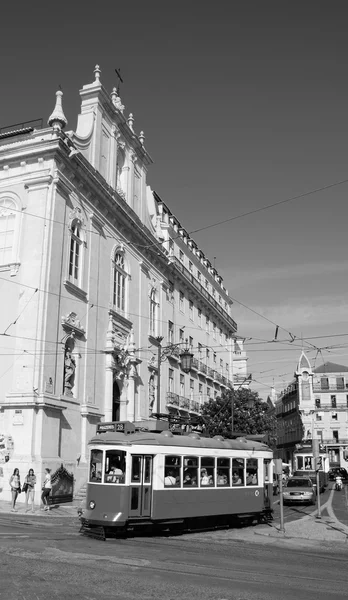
{"x":168,"y":439}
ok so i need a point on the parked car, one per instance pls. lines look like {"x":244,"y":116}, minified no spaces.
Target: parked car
{"x":323,"y":478}
{"x":337,"y":471}
{"x":299,"y":489}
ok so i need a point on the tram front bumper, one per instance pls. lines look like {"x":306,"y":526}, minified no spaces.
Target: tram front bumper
{"x":104,"y":519}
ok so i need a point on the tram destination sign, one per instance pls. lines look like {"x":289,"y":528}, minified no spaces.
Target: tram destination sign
{"x":116,"y":426}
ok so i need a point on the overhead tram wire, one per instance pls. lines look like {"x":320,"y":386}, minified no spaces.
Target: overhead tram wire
{"x":216,"y":224}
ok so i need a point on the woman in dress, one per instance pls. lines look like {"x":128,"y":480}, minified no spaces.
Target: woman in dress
{"x":30,"y":480}
{"x":15,"y":484}
{"x":46,"y":489}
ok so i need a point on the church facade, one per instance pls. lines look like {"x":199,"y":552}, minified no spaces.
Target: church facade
{"x":315,"y":406}
{"x":101,"y":287}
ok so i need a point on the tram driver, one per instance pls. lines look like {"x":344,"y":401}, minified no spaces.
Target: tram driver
{"x":115,"y":474}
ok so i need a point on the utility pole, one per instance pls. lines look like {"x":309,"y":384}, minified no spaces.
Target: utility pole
{"x":159,"y":357}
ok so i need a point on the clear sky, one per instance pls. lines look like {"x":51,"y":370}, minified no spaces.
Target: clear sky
{"x":243,"y":104}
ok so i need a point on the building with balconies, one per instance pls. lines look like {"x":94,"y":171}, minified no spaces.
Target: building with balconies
{"x":99,"y":284}
{"x":315,"y":406}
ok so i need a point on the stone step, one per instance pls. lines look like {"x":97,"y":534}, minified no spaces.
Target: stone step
{"x":81,"y":494}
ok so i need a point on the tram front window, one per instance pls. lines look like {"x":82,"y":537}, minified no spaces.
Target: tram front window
{"x":115,"y":466}
{"x":95,"y":467}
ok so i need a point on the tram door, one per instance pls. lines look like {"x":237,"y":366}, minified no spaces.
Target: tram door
{"x":141,"y":486}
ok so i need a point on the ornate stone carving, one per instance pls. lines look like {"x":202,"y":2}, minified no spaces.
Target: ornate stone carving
{"x":72,"y":324}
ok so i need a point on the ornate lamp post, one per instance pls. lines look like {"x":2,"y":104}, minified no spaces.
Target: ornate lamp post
{"x":186,"y":358}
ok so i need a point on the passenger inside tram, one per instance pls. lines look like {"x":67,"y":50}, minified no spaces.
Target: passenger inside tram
{"x":169,"y":478}
{"x":236,"y":480}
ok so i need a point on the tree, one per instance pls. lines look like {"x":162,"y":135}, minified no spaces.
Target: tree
{"x":217,"y":415}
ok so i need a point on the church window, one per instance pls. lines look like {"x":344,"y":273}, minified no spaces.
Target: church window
{"x":153,"y":312}
{"x":9,"y":232}
{"x":119,"y":282}
{"x":75,"y":253}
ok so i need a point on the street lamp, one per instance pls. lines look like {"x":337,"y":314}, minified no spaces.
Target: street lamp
{"x":186,"y":358}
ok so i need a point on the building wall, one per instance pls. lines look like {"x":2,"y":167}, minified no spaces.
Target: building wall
{"x":68,"y":350}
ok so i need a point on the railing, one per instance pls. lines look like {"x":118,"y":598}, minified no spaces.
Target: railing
{"x":330,"y":388}
{"x":21,"y":127}
{"x":328,"y":406}
{"x":188,"y":275}
{"x":173,"y":398}
{"x":329,"y":441}
{"x":182,"y":402}
{"x":202,"y":366}
{"x":195,"y":364}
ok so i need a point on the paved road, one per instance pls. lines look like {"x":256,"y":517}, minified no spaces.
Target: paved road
{"x":50,"y":560}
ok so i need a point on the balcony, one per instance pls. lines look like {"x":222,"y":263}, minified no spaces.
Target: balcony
{"x":328,"y":406}
{"x":334,"y":441}
{"x":182,"y":403}
{"x":195,"y":283}
{"x":330,"y":388}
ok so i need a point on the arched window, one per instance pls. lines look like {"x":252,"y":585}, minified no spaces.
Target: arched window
{"x":153,"y":312}
{"x":119,"y":282}
{"x":75,"y":255}
{"x":7,"y":231}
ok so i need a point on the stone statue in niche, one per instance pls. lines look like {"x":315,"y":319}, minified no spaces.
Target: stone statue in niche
{"x":151,"y":392}
{"x":69,"y":372}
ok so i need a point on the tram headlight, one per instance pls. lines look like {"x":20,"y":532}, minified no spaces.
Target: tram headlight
{"x":92,"y":504}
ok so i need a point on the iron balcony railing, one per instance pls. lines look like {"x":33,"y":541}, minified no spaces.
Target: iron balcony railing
{"x":330,"y":388}
{"x":330,"y":441}
{"x":182,"y":402}
{"x":329,"y":406}
{"x":190,"y":277}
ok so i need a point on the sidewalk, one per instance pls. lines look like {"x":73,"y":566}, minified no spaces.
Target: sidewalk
{"x":68,"y":509}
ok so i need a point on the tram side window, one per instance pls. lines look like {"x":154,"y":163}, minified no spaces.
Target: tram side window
{"x":223,"y":472}
{"x":207,"y":471}
{"x":237,"y":471}
{"x":96,"y":466}
{"x":251,"y":471}
{"x":115,"y":466}
{"x":190,"y":471}
{"x":172,"y":471}
{"x":267,"y":464}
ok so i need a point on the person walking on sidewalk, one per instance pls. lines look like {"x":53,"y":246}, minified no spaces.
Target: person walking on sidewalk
{"x":29,"y":484}
{"x":46,"y":489}
{"x":15,"y":484}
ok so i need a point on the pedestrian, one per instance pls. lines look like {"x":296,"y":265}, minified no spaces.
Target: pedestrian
{"x":46,"y":489}
{"x":29,"y":488}
{"x":15,"y":484}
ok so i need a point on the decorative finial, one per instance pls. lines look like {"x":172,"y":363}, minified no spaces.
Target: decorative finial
{"x":130,"y":121}
{"x":141,"y":138}
{"x":58,"y":120}
{"x":114,"y":96}
{"x":97,"y":72}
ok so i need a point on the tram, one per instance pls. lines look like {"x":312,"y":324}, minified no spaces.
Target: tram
{"x":304,"y":465}
{"x":159,"y":480}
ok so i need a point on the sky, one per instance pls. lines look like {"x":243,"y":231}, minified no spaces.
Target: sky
{"x":243,"y":105}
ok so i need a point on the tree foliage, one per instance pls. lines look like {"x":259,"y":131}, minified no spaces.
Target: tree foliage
{"x":251,"y":415}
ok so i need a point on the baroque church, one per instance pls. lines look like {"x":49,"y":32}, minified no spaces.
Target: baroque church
{"x":101,"y":286}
